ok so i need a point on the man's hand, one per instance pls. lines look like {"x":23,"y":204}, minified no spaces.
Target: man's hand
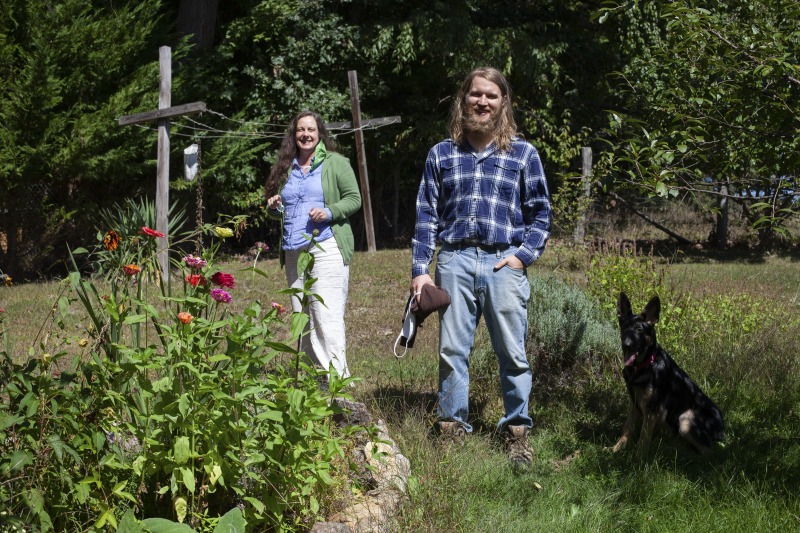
{"x":419,"y":281}
{"x":512,"y":261}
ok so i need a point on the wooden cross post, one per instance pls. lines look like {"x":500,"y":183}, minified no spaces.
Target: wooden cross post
{"x":366,"y":203}
{"x":162,"y":115}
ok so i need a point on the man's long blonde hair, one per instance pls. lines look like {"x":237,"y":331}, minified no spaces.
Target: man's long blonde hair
{"x":506,"y":127}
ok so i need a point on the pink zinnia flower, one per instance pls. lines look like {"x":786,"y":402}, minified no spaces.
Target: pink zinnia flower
{"x":131,"y":270}
{"x":278,"y":307}
{"x":221,"y":296}
{"x":223,"y":280}
{"x":185,"y":317}
{"x":194,"y":262}
{"x":196,"y":279}
{"x":150,"y":232}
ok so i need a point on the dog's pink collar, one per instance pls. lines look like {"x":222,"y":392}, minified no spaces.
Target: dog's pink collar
{"x":647,"y":362}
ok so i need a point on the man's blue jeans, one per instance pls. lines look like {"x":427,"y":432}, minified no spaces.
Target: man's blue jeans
{"x":501,"y":297}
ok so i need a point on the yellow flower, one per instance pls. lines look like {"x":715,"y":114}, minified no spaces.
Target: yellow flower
{"x":83,"y":343}
{"x":223,"y":233}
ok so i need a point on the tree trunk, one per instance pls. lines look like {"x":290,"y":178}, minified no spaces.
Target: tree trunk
{"x":198,"y":18}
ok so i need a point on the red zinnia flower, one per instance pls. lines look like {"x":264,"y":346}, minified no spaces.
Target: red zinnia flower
{"x":196,"y":279}
{"x":185,"y":317}
{"x":223,"y":280}
{"x":131,"y":270}
{"x":111,"y":240}
{"x":150,"y":232}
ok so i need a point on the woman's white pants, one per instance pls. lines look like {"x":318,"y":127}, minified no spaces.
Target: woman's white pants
{"x":324,"y":340}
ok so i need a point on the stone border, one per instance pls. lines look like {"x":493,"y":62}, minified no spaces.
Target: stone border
{"x":373,"y":511}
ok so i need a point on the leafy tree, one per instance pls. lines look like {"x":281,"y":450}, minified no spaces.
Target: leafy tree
{"x":69,"y":69}
{"x":711,"y":106}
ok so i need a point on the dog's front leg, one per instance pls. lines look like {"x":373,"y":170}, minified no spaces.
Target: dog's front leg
{"x":648,"y":427}
{"x":627,"y":429}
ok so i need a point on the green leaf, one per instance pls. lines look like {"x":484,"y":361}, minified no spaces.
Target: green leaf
{"x":181,"y":508}
{"x":138,"y":465}
{"x":231,"y":522}
{"x":7,"y":420}
{"x":275,"y":416}
{"x":215,"y":475}
{"x":183,"y":404}
{"x":182,"y":450}
{"x":129,"y":524}
{"x":19,"y":460}
{"x":107,"y":516}
{"x":135,"y":319}
{"x":255,"y":503}
{"x":299,"y":323}
{"x":98,"y":439}
{"x":188,"y":478}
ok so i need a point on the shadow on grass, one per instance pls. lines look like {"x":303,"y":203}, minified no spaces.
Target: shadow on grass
{"x":763,"y":454}
{"x":398,"y":403}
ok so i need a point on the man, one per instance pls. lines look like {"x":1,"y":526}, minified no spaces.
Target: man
{"x":484,"y":196}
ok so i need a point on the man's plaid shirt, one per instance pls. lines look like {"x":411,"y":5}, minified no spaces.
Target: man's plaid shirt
{"x":488,"y":198}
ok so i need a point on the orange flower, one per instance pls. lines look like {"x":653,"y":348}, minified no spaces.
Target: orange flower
{"x":185,"y":317}
{"x":132,"y":270}
{"x":111,"y":240}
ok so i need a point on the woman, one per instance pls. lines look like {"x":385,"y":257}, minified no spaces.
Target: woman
{"x":311,"y":187}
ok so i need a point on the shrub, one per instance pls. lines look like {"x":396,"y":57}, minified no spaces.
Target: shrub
{"x":571,"y":347}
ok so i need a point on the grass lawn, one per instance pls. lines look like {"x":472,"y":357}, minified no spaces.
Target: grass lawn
{"x":575,"y":484}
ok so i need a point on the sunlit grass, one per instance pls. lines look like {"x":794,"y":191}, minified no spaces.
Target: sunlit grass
{"x":575,"y":484}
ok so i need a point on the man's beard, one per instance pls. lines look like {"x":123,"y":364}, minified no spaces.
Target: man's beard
{"x":472,"y":124}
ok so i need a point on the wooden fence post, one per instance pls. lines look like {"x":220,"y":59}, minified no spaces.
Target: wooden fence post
{"x":586,"y":179}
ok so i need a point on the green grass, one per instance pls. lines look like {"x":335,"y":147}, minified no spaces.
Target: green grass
{"x":750,"y":485}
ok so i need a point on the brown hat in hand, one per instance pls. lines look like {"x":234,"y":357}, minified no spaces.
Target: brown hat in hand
{"x":431,"y":298}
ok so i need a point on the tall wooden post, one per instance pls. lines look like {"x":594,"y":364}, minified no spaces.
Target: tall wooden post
{"x":162,"y":116}
{"x":366,"y":203}
{"x":162,"y":167}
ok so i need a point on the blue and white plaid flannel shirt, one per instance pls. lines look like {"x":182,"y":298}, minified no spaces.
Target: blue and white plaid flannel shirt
{"x":490,"y":198}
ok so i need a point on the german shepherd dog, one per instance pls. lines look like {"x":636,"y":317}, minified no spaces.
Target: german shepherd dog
{"x":660,"y":391}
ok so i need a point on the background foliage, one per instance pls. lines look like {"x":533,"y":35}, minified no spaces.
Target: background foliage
{"x":687,"y":98}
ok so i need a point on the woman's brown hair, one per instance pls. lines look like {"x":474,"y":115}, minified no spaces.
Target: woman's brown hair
{"x":280,"y":170}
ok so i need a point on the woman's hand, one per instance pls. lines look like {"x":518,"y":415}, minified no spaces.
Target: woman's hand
{"x":318,"y":215}
{"x":274,"y":202}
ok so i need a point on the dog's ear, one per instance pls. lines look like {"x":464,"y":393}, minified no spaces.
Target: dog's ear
{"x":652,"y":310}
{"x":623,"y":307}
